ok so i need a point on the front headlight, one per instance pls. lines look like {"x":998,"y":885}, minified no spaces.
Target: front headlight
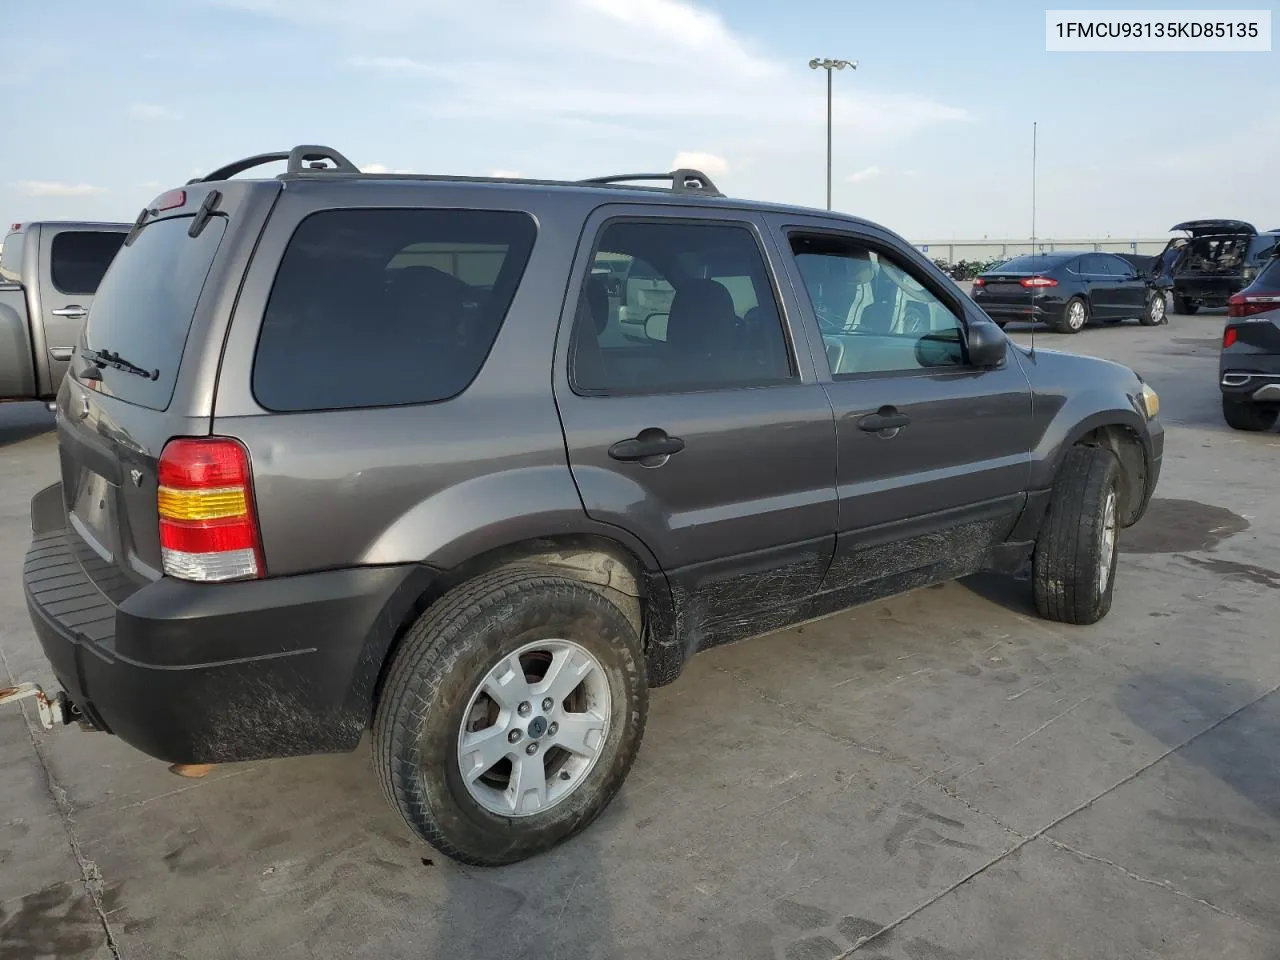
{"x":1150,"y":401}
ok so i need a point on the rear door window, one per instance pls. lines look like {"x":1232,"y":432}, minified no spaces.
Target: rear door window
{"x":79,"y":258}
{"x":145,"y":305}
{"x":376,"y":308}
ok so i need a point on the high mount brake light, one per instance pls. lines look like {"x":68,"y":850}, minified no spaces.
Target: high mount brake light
{"x":169,"y":201}
{"x":208,"y":527}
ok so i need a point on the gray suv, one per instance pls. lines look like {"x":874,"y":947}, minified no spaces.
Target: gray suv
{"x":344,"y":452}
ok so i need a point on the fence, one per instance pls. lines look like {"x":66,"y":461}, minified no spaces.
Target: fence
{"x":954,"y":251}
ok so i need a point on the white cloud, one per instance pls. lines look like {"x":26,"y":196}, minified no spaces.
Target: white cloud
{"x":152,"y":111}
{"x":55,"y":188}
{"x":383,"y":168}
{"x":708,"y":163}
{"x":627,"y":82}
{"x":863,"y":175}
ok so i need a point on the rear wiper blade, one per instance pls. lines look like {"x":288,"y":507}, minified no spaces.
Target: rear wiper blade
{"x":106,"y":358}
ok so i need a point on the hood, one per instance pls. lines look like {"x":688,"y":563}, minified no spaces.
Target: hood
{"x":1205,"y":228}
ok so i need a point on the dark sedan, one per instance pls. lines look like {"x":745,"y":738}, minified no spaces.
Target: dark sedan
{"x":1068,"y":290}
{"x":1249,"y":366}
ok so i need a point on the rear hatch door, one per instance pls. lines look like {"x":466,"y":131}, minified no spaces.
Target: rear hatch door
{"x":120,"y":402}
{"x":1204,"y":228}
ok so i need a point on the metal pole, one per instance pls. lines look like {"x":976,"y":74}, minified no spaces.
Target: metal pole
{"x":828,"y":138}
{"x":830,"y":65}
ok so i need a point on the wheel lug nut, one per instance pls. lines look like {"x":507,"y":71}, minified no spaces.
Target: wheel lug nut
{"x":532,"y":748}
{"x":525,"y":709}
{"x":513,"y":736}
{"x":548,"y":703}
{"x":553,"y":728}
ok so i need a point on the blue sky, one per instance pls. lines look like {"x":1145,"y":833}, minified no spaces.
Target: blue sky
{"x":108,"y":103}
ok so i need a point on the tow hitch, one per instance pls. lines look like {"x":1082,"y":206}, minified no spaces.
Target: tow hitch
{"x":53,"y":710}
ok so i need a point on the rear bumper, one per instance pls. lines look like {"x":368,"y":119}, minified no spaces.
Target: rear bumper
{"x":211,"y":673}
{"x":1208,"y":291}
{"x":1006,"y":310}
{"x":1250,"y":377}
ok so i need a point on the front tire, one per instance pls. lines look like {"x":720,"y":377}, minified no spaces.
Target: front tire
{"x":511,"y":715}
{"x":1248,"y":416}
{"x":1075,"y":315}
{"x":1156,"y":311}
{"x":1074,"y":564}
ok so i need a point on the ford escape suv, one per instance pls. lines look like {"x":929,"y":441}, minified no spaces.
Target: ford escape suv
{"x":346,"y":452}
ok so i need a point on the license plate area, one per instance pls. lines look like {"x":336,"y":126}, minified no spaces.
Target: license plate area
{"x":93,"y":513}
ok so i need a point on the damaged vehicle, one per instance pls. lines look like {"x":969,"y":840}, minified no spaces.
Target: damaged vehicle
{"x":1214,"y":260}
{"x":346,"y":452}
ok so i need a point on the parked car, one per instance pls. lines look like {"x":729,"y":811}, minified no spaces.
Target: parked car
{"x":1249,"y":364}
{"x":311,"y":484}
{"x":1215,"y":259}
{"x":49,"y":273}
{"x":1068,"y":290}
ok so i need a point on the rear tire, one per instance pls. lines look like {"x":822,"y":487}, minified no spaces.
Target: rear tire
{"x":1183,"y":305}
{"x":1156,"y":312}
{"x":1248,"y":416}
{"x":1075,"y":316}
{"x":1074,"y":563}
{"x":435,"y":700}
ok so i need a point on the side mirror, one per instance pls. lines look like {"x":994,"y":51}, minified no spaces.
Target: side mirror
{"x":655,"y":327}
{"x":987,"y":344}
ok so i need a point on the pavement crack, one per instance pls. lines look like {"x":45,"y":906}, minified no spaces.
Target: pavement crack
{"x":90,"y":875}
{"x":1163,"y":884}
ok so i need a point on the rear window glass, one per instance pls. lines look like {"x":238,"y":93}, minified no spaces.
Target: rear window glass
{"x":11,"y":257}
{"x":144,"y":308}
{"x":1029,"y":264}
{"x":1270,"y":275}
{"x":374,"y":308}
{"x":78,"y":259}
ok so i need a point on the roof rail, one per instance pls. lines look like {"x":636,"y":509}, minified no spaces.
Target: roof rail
{"x":684,"y":180}
{"x":301,"y":159}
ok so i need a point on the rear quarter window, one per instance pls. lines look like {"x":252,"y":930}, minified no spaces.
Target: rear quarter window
{"x":374,"y":308}
{"x":78,"y":259}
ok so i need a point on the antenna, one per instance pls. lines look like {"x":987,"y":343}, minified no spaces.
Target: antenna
{"x":1031,"y":290}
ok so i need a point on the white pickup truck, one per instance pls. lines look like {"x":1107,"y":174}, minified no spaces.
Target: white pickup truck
{"x":49,"y":273}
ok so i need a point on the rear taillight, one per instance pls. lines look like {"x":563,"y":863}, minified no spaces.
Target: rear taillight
{"x":1247,"y":304}
{"x":979,"y":282}
{"x":208,"y":528}
{"x":1038,"y":282}
{"x":1229,"y":336}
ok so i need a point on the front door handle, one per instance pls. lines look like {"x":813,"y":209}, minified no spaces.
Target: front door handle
{"x":73,"y":312}
{"x":650,"y":444}
{"x":886,"y":418}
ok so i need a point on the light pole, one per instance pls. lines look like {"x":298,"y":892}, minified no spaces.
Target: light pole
{"x":828,"y":65}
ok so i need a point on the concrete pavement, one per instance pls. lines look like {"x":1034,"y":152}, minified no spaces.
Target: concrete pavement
{"x":941,"y":776}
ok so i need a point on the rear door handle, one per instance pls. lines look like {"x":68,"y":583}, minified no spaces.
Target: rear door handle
{"x":73,"y":312}
{"x":886,"y":418}
{"x":649,"y":444}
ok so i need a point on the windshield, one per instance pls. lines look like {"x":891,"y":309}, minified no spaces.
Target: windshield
{"x":144,"y":308}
